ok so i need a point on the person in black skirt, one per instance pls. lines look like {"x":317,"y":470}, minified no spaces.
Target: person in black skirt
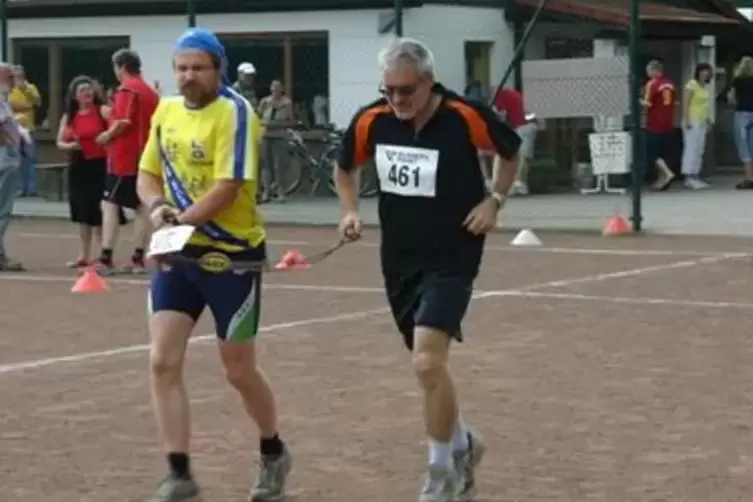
{"x":83,"y":121}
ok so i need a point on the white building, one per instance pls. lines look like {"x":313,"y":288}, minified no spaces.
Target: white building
{"x":331,"y":51}
{"x":345,"y":41}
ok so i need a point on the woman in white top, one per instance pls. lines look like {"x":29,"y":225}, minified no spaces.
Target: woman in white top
{"x":695,"y":124}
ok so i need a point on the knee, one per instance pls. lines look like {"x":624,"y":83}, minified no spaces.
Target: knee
{"x":240,"y":370}
{"x":163,"y":367}
{"x":428,"y":366}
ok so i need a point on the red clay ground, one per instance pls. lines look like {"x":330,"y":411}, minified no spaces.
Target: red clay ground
{"x":599,"y":370}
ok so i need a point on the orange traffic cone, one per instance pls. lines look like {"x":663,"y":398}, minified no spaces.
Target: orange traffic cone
{"x":90,"y":282}
{"x":616,"y":225}
{"x":293,"y":260}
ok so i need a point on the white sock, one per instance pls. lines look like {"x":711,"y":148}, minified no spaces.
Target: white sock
{"x":440,"y":455}
{"x":460,"y":437}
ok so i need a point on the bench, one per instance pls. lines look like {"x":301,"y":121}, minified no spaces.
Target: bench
{"x":52,"y":181}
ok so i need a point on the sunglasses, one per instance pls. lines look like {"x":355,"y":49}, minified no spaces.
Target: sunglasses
{"x":401,"y":90}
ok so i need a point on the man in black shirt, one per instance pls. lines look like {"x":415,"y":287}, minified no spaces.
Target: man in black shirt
{"x":434,"y":212}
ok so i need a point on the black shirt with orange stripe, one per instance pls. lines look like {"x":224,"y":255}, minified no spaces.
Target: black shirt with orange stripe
{"x":429,"y":180}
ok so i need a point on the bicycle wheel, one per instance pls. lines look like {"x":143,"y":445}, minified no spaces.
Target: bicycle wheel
{"x":292,"y":177}
{"x":326,"y":165}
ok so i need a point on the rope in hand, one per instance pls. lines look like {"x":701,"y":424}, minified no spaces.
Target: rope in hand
{"x":289,"y":261}
{"x":220,"y":262}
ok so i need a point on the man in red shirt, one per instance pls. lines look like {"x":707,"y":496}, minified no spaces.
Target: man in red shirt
{"x":510,"y":106}
{"x":659,"y":102}
{"x":134,"y":103}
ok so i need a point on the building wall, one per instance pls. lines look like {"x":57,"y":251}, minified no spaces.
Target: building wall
{"x":353,"y":42}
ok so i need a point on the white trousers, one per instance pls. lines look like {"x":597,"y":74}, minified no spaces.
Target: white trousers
{"x":693,"y":148}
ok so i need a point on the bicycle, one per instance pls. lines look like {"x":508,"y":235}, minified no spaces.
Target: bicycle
{"x":320,"y":169}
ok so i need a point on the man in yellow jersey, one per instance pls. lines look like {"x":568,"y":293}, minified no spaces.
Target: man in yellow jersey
{"x":24,"y":100}
{"x":200,"y":168}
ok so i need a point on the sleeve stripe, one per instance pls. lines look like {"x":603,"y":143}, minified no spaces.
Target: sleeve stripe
{"x":363,"y":125}
{"x":476,"y":124}
{"x":241,"y":133}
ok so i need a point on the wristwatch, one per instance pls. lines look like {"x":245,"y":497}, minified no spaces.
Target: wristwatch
{"x":499,"y":198}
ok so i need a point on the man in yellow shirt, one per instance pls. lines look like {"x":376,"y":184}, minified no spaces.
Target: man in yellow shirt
{"x":24,"y":99}
{"x":200,"y":168}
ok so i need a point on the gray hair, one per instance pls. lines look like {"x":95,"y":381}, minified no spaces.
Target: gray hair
{"x":407,"y":50}
{"x":744,"y":68}
{"x":655,"y":65}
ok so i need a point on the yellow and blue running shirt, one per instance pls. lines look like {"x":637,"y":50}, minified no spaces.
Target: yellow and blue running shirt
{"x":192,"y":149}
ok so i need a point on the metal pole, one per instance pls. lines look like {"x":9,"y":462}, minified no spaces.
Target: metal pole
{"x":191,"y":11}
{"x":634,"y":48}
{"x":4,"y":28}
{"x":398,"y":18}
{"x":520,"y":48}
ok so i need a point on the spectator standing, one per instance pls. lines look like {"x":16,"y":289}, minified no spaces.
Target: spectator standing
{"x":276,"y":111}
{"x":24,"y":100}
{"x":79,"y":128}
{"x":134,"y":103}
{"x":510,"y":107}
{"x":696,"y":125}
{"x":246,"y":82}
{"x":741,"y":95}
{"x":10,"y":163}
{"x":659,"y":101}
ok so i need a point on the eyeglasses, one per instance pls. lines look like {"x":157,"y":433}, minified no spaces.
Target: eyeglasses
{"x":403,"y":91}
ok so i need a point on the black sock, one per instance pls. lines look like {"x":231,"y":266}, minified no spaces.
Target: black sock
{"x":106,"y":256}
{"x":271,"y":446}
{"x":138,"y":254}
{"x":179,"y":465}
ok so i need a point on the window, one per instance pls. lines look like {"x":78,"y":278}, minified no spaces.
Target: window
{"x":52,"y":63}
{"x":299,"y":60}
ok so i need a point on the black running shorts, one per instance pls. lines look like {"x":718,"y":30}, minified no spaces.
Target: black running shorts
{"x":428,"y":299}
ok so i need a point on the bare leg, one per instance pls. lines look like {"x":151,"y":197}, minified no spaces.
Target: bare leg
{"x":85,"y":234}
{"x":239,"y":360}
{"x":430,"y":356}
{"x":170,"y":332}
{"x":110,"y":229}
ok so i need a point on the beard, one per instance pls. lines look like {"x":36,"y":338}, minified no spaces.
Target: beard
{"x":196,"y":95}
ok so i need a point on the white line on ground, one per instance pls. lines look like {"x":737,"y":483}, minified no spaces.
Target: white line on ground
{"x":77,"y":358}
{"x":488,"y":247}
{"x":144,"y":282}
{"x":24,"y":277}
{"x":636,"y":271}
{"x":624,"y":299}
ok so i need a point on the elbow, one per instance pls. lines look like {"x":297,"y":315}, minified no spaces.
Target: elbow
{"x":343,"y":177}
{"x":228,"y":192}
{"x":148,"y":185}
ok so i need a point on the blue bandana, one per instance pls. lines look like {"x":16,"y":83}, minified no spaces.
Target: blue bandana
{"x":201,"y":39}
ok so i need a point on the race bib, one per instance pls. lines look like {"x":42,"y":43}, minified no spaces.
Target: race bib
{"x":169,"y":240}
{"x":406,"y":170}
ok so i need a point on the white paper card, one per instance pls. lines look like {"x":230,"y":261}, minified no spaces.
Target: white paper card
{"x":169,"y":240}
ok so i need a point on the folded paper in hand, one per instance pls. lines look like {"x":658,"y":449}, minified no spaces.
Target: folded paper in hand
{"x":169,"y":240}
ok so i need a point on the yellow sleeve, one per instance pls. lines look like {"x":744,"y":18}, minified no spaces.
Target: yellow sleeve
{"x":236,"y":154}
{"x":34,"y":92}
{"x":692,"y":85}
{"x":150,"y":158}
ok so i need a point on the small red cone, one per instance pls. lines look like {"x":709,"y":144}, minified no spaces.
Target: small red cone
{"x":90,"y":282}
{"x":293,"y":260}
{"x":617,"y":225}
